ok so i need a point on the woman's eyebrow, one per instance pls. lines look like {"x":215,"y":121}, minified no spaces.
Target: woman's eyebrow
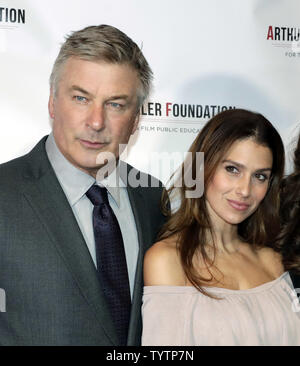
{"x":243,"y":166}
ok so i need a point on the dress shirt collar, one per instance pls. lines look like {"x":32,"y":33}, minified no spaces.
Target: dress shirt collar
{"x":113,"y":183}
{"x":75,"y":182}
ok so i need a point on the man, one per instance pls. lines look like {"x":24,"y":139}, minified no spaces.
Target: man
{"x":70,"y":265}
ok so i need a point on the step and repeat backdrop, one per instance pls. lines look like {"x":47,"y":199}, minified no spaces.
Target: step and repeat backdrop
{"x":207,"y":56}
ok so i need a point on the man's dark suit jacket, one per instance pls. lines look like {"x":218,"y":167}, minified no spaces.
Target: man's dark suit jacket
{"x":52,"y":291}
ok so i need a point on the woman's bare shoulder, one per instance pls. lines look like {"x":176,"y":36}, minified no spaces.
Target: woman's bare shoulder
{"x":162,"y":264}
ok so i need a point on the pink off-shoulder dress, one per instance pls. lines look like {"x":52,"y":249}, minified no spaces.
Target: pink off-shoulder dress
{"x":267,"y":315}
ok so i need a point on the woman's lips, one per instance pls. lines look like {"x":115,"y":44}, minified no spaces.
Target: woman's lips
{"x":92,"y":145}
{"x":240,"y":206}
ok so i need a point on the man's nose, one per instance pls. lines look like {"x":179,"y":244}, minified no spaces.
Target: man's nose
{"x":96,"y":119}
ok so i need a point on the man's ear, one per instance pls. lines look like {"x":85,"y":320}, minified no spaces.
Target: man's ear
{"x":136,"y":122}
{"x":51,"y":104}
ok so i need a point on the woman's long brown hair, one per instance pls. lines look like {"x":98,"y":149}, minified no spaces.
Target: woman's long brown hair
{"x":191,"y":221}
{"x":288,"y":242}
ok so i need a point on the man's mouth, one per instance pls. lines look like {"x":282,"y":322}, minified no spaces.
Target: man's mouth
{"x":92,"y":144}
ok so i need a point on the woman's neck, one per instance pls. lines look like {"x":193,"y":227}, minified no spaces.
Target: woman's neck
{"x":225,"y":241}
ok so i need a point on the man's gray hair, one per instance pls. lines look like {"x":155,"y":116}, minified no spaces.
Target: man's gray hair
{"x":108,"y":44}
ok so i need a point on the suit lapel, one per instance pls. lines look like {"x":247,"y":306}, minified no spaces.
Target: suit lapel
{"x":295,"y":279}
{"x":138,"y":206}
{"x":45,"y":195}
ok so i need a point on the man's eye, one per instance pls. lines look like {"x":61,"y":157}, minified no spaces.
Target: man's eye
{"x":231,"y":169}
{"x":115,"y":105}
{"x":80,"y":99}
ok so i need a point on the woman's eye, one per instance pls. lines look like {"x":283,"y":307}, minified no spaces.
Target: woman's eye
{"x":231,"y":169}
{"x":261,"y":177}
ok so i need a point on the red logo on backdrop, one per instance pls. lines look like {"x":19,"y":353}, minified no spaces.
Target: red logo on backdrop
{"x":170,"y":110}
{"x":283,"y":33}
{"x":287,"y":38}
{"x":176,"y":117}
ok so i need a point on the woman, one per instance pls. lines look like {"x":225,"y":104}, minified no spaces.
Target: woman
{"x":213,"y":278}
{"x":289,"y":237}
